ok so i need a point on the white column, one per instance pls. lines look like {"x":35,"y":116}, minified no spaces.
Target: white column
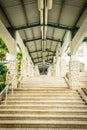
{"x":49,"y":70}
{"x":85,"y":54}
{"x":74,"y":73}
{"x":58,"y":67}
{"x":8,"y":39}
{"x":36,"y":71}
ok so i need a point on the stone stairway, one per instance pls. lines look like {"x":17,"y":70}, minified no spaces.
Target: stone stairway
{"x":43,"y":103}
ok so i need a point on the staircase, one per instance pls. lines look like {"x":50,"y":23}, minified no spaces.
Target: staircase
{"x":43,"y":103}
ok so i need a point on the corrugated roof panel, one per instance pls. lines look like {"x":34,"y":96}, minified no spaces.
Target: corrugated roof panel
{"x":78,"y":3}
{"x":29,"y":1}
{"x":32,"y":13}
{"x":29,"y":33}
{"x":31,"y":46}
{"x":69,"y":15}
{"x":54,"y":13}
{"x":53,"y":47}
{"x":16,"y":15}
{"x":37,"y":32}
{"x":38,"y":44}
{"x":22,"y":34}
{"x":58,"y":33}
{"x":35,"y":60}
{"x":10,"y":3}
{"x":48,"y":44}
{"x":39,"y":53}
{"x":34,"y":55}
{"x":49,"y":32}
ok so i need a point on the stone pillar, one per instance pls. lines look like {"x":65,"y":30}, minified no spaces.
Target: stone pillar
{"x":24,"y":68}
{"x":85,"y":55}
{"x":12,"y":66}
{"x":53,"y":71}
{"x":36,"y":71}
{"x":74,"y":73}
{"x":49,"y":70}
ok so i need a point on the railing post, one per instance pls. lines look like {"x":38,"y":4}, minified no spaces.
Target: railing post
{"x":6,"y":95}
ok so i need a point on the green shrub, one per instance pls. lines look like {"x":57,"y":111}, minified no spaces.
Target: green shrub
{"x":2,"y":86}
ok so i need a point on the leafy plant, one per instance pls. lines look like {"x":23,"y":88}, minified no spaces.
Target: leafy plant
{"x":19,"y":58}
{"x":2,"y":86}
{"x":19,"y":55}
{"x":3,"y":69}
{"x":3,"y":49}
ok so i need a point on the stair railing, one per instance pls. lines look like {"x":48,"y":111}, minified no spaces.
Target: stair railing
{"x":13,"y":80}
{"x":5,"y":90}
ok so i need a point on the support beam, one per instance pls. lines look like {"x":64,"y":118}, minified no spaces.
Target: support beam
{"x":64,"y":27}
{"x":42,"y":62}
{"x":41,"y":51}
{"x":5,"y":15}
{"x":67,"y":41}
{"x":79,"y":37}
{"x":35,"y":39}
{"x":59,"y":26}
{"x":41,"y":57}
{"x":81,"y":13}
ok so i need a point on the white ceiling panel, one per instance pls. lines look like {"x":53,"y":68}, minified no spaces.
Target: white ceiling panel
{"x":37,"y":32}
{"x":22,"y":35}
{"x":16,"y":15}
{"x":58,"y":33}
{"x":54,"y":46}
{"x":32,"y":13}
{"x":31,"y":46}
{"x":34,"y":55}
{"x":49,"y":32}
{"x":29,"y":33}
{"x":69,"y":15}
{"x":38,"y":44}
{"x":54,"y":13}
{"x":10,"y":3}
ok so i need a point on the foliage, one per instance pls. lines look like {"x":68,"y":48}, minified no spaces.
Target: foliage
{"x":19,"y":55}
{"x":2,"y":86}
{"x":19,"y":67}
{"x":3,"y":50}
{"x":3,"y":69}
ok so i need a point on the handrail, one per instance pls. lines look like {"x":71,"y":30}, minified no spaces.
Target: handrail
{"x":5,"y":90}
{"x":12,"y":83}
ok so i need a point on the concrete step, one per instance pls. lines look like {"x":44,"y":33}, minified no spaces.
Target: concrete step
{"x":43,"y":94}
{"x":38,"y":89}
{"x":42,"y":124}
{"x":44,"y":102}
{"x":43,"y":117}
{"x":44,"y":106}
{"x":41,"y":107}
{"x":49,"y":111}
{"x":42,"y":128}
{"x":44,"y":98}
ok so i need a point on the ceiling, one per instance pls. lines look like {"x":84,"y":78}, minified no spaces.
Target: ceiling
{"x":42,"y":24}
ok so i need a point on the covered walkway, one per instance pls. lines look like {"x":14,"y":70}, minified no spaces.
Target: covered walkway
{"x":50,"y":90}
